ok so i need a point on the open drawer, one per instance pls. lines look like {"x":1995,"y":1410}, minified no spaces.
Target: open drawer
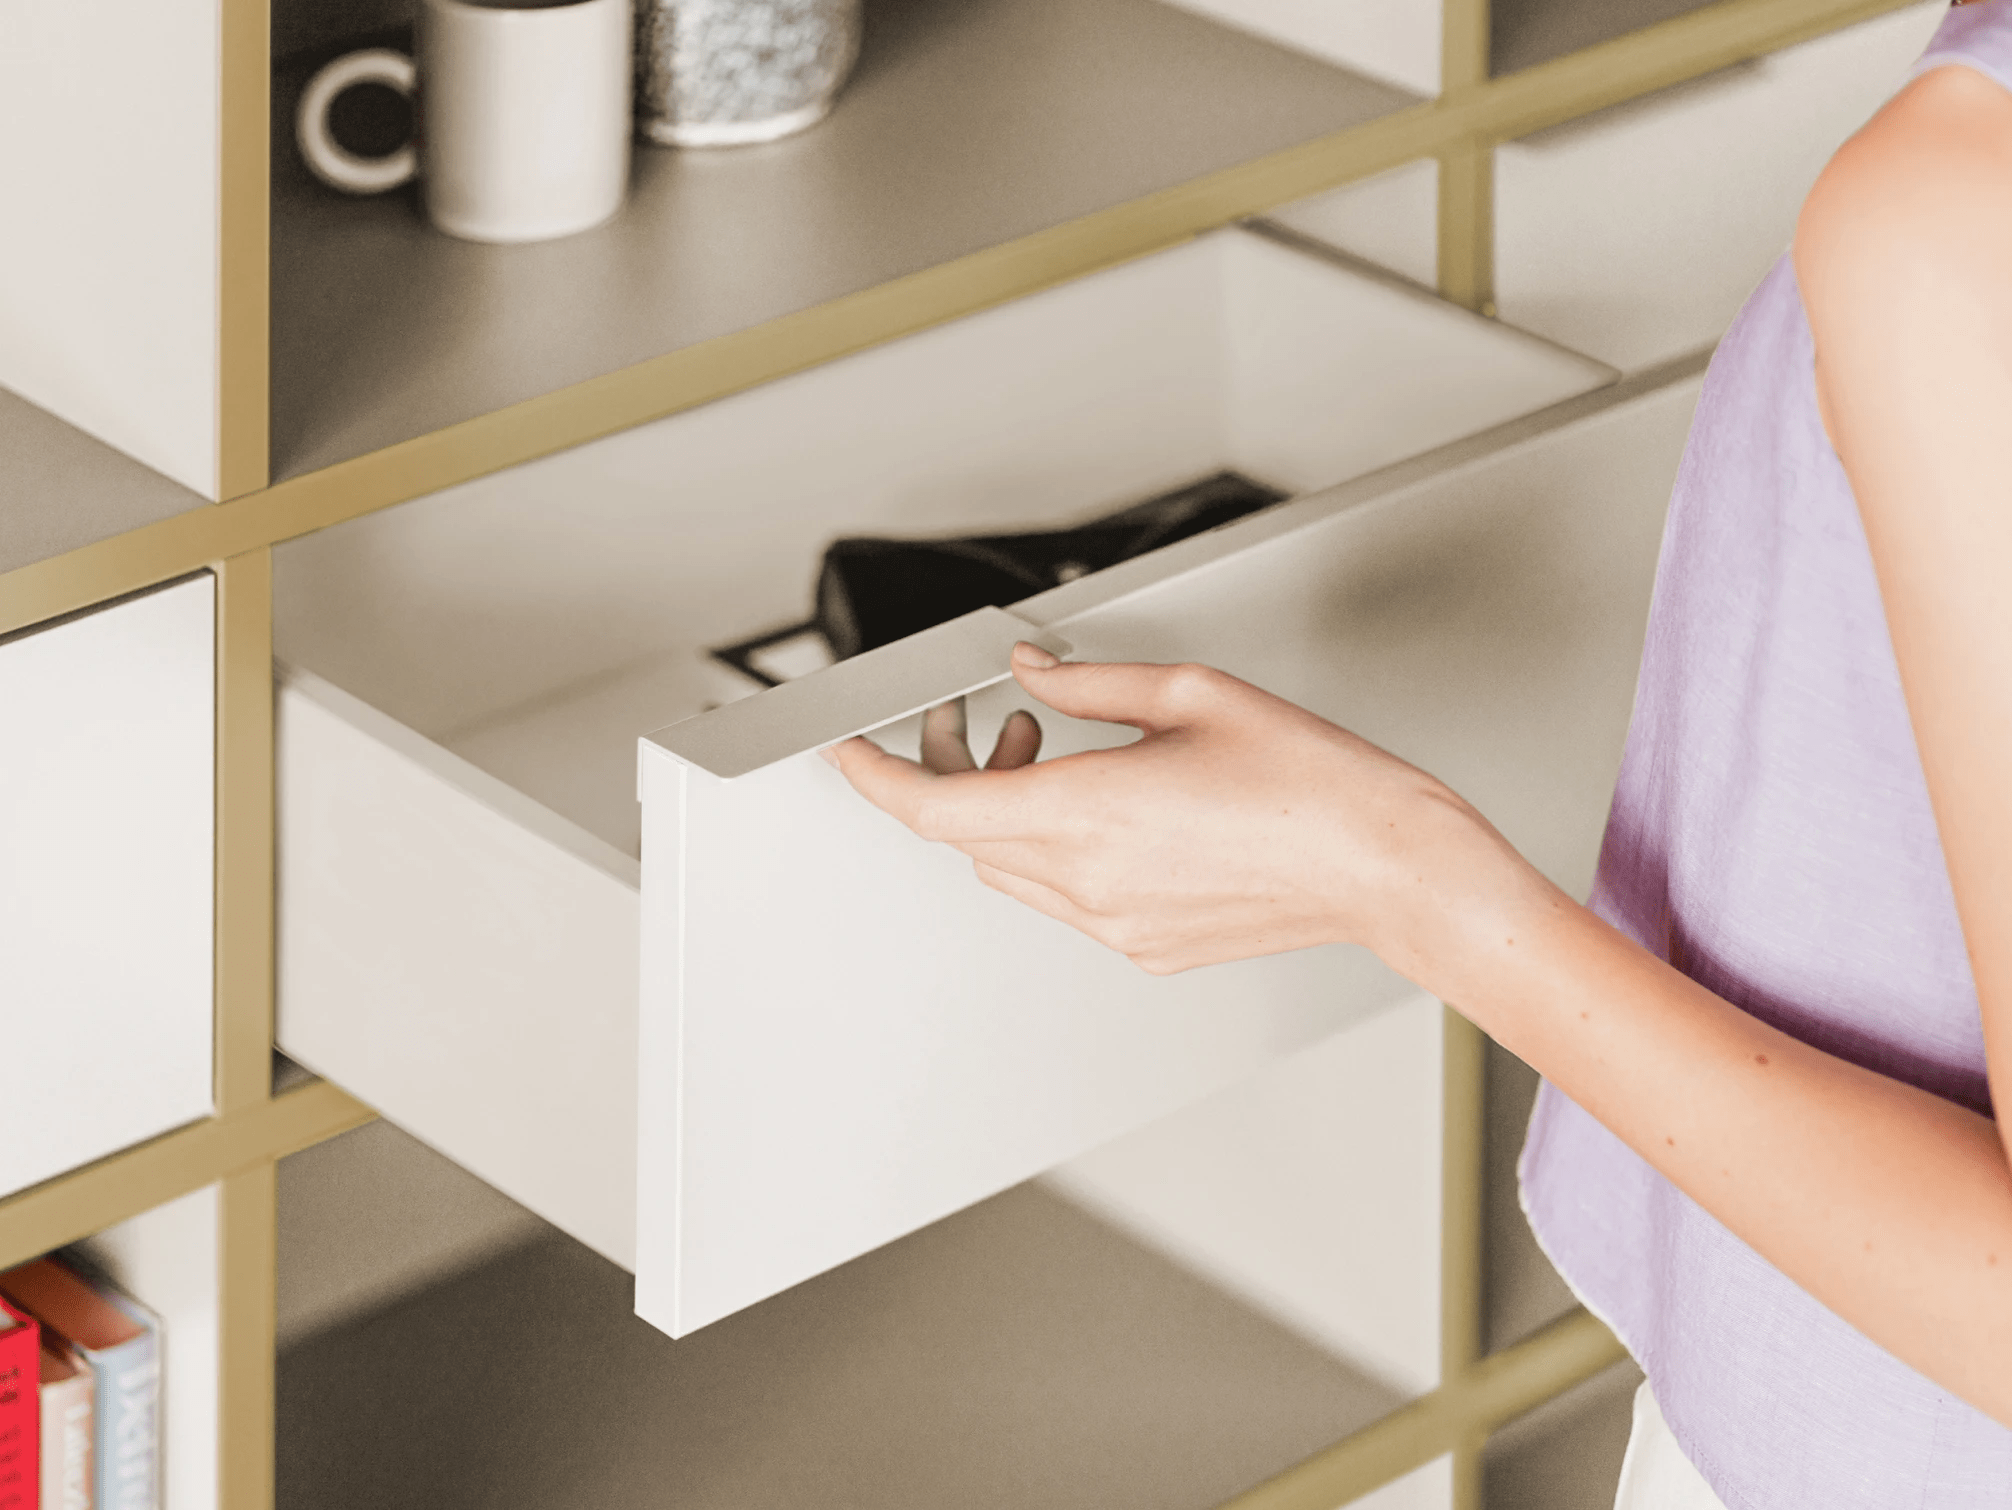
{"x":843,"y":1036}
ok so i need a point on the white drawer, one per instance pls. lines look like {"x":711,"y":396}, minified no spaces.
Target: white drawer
{"x":107,"y":790}
{"x":1637,"y":233}
{"x":843,"y":1036}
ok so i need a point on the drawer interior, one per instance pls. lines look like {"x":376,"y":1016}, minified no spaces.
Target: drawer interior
{"x":538,"y":621}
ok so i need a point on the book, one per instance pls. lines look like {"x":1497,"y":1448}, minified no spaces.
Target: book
{"x":20,"y":1409}
{"x":119,"y":1341}
{"x":67,"y":1389}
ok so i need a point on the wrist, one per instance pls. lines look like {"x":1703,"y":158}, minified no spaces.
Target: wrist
{"x":1470,"y":907}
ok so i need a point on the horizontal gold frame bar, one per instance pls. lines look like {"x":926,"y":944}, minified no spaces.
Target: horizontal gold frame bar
{"x":1495,"y":110}
{"x":75,"y":1205}
{"x":1495,"y":1390}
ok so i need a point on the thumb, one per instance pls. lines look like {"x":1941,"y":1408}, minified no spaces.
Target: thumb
{"x":1146,"y":697}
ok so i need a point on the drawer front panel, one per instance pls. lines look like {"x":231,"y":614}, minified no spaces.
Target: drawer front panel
{"x":844,"y":1035}
{"x":107,"y":803}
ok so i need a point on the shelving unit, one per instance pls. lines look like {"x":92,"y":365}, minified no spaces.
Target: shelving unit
{"x":987,"y":151}
{"x":962,"y":130}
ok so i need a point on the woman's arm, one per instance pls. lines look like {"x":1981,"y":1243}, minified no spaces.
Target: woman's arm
{"x":1241,"y":825}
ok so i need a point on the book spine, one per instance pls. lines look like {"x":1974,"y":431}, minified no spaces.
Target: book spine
{"x":67,"y":1443}
{"x":20,"y":1410}
{"x":128,"y":1460}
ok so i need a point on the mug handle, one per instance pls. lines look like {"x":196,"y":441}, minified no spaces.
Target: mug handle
{"x":326,"y":158}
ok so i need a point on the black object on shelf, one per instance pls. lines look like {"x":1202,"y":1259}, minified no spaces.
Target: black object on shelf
{"x":872,"y":591}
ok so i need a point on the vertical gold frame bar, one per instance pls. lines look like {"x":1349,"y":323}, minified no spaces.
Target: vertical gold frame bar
{"x":1467,"y":277}
{"x":1463,"y":1068}
{"x":248,"y":1275}
{"x":1467,"y":168}
{"x":1467,"y":226}
{"x":247,"y":1272}
{"x":243,"y":299}
{"x":248,"y":1279}
{"x":244,"y":845}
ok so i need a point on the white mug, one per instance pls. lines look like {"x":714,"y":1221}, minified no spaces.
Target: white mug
{"x":523,"y":116}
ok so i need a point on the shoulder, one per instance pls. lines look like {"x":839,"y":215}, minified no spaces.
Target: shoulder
{"x":1915,"y":210}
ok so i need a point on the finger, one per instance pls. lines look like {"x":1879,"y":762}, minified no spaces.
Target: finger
{"x":965,"y":805}
{"x":1019,"y":742}
{"x":895,"y":786}
{"x":1145,"y":696}
{"x":945,"y":747}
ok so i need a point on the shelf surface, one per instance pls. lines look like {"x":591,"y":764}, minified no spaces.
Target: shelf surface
{"x":60,"y":488}
{"x":1017,"y":1354}
{"x":969,"y":123}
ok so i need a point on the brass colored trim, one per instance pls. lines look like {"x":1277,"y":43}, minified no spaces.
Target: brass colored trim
{"x":1641,"y":62}
{"x":1495,"y":110}
{"x":1464,"y":29}
{"x":244,"y":220}
{"x":244,"y":841}
{"x":1469,"y":1481}
{"x":1462,"y":1259}
{"x":247,"y":1324}
{"x":1467,"y":226}
{"x":1460,"y":1265}
{"x":1500,"y":1388}
{"x":73,"y":1206}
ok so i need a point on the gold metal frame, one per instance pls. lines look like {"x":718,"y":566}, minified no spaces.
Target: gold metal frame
{"x":238,"y":1148}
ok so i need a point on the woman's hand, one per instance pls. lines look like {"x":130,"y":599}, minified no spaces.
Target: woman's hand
{"x":1239,"y":825}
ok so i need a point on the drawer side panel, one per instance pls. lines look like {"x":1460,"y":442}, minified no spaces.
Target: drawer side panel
{"x":471,"y":979}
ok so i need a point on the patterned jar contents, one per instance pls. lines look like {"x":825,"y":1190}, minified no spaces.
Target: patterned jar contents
{"x":722,"y":72}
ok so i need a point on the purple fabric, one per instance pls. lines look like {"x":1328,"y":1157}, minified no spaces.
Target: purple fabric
{"x":1771,"y":837}
{"x":1973,"y":36}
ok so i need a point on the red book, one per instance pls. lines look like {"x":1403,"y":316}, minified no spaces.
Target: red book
{"x":20,"y":1409}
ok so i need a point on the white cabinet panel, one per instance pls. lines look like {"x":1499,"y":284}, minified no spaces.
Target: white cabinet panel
{"x":1391,"y":220}
{"x":110,"y":150}
{"x":107,"y":790}
{"x":1426,"y":1488}
{"x":1637,"y":233}
{"x":867,"y":1039}
{"x":1394,"y":40}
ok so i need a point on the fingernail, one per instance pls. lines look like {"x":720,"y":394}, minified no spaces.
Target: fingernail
{"x":829,"y":754}
{"x":1033,"y":655}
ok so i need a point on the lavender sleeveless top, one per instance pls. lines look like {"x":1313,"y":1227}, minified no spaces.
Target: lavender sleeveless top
{"x":1771,"y":837}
